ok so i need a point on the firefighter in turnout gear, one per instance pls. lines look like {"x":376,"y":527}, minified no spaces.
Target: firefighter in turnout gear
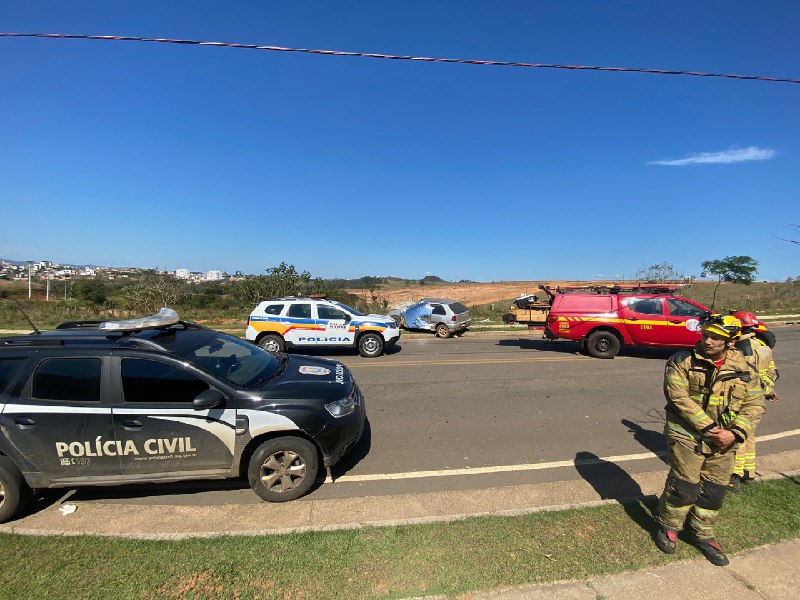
{"x":759,"y":355}
{"x":714,"y":402}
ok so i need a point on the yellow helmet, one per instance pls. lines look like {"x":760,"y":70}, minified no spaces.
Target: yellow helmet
{"x":727,"y":326}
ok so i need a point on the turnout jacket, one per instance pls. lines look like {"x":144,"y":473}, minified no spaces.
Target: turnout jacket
{"x":701,"y":396}
{"x":759,"y":355}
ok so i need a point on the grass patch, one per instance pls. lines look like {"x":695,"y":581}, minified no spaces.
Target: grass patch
{"x":391,"y":562}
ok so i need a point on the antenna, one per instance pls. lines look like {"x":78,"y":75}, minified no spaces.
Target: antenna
{"x":27,"y":318}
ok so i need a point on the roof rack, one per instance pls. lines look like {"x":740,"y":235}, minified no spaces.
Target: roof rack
{"x":644,"y":288}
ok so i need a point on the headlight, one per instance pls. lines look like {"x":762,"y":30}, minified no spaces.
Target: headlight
{"x":393,"y":325}
{"x":343,"y":407}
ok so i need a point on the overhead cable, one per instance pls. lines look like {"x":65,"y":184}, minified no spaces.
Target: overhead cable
{"x":463,"y":61}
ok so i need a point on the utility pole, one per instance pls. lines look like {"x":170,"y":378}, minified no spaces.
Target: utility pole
{"x":47,"y":293}
{"x":30,"y":264}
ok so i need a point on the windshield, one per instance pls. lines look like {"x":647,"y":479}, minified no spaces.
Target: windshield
{"x":352,"y":311}
{"x":239,"y":362}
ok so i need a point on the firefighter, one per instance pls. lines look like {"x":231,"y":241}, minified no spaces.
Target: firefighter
{"x":759,"y":355}
{"x":714,"y":402}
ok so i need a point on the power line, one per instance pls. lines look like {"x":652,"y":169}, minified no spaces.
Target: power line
{"x":463,"y":61}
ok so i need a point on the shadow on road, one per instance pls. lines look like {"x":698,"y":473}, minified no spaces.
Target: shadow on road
{"x":568,"y":346}
{"x":542,"y":345}
{"x":352,"y":458}
{"x":654,"y":441}
{"x":611,"y":482}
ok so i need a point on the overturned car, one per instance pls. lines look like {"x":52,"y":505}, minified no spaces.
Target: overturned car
{"x":443,"y":316}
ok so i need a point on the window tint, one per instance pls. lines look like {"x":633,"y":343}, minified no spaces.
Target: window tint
{"x":438,"y":309}
{"x":8,"y":368}
{"x":650,"y":306}
{"x":68,"y":379}
{"x":152,"y":381}
{"x":584,"y":303}
{"x":302,"y":311}
{"x":681,"y":308}
{"x":237,"y":361}
{"x":274,"y":309}
{"x":328,"y":312}
{"x":458,"y":308}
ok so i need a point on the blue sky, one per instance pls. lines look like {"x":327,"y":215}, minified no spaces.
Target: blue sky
{"x":134,"y":154}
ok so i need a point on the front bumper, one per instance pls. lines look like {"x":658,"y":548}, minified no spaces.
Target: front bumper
{"x":339,"y":436}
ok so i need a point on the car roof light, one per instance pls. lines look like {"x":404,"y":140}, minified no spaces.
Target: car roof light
{"x":164,"y":318}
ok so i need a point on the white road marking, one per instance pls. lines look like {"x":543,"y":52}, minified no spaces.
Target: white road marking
{"x":524,"y":467}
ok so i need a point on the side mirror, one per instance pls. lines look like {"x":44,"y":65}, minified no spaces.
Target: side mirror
{"x":347,"y":318}
{"x":207,"y":399}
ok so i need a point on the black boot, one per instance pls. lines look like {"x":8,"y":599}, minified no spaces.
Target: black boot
{"x":712,"y":551}
{"x":666,"y":539}
{"x":735,"y":484}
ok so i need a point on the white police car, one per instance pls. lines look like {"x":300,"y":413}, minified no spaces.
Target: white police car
{"x":294,"y":322}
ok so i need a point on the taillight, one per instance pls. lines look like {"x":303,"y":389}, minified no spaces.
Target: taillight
{"x":453,"y":318}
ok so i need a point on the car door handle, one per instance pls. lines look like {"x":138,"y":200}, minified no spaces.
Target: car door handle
{"x":633,"y":318}
{"x":676,"y":321}
{"x":24,"y":422}
{"x":132,"y":424}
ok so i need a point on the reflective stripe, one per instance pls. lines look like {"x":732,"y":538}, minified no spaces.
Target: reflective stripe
{"x":678,"y":381}
{"x":678,"y":429}
{"x":698,"y":416}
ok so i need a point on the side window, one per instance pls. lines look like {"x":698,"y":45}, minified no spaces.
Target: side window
{"x":650,"y":306}
{"x":301,"y":311}
{"x":273,"y":309}
{"x":328,"y":312}
{"x":438,"y":309}
{"x":8,"y":368}
{"x":681,"y":308}
{"x":67,"y":380}
{"x":153,"y":381}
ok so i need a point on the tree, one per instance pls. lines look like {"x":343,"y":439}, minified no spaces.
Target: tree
{"x":660,"y":273}
{"x":153,"y":291}
{"x":283,"y":280}
{"x":731,"y":269}
{"x":91,"y":290}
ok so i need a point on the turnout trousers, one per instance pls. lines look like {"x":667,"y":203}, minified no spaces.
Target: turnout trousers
{"x":696,"y":486}
{"x":746,"y":458}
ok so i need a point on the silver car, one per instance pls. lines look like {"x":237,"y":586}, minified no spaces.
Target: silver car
{"x":443,"y":316}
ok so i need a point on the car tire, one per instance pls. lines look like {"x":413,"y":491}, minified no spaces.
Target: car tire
{"x":442,"y":331}
{"x":283,"y":468}
{"x":370,"y":345}
{"x":272,"y":343}
{"x":603,"y":344}
{"x":14,"y":491}
{"x":767,"y":337}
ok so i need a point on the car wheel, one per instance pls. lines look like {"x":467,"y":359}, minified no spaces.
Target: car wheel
{"x":272,"y":343}
{"x":283,"y":469}
{"x":767,"y":337}
{"x":370,"y":345}
{"x":603,"y":344}
{"x":442,"y":331}
{"x":14,"y":492}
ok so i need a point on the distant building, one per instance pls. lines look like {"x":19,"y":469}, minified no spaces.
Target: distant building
{"x":214,"y":276}
{"x":182,"y":273}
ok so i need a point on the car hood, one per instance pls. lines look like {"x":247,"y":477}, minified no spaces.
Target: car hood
{"x":373,"y":318}
{"x":306,"y":377}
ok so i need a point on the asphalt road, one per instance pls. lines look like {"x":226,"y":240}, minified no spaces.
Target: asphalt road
{"x":485,"y":411}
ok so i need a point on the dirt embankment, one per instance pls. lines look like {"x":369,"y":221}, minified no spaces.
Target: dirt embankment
{"x":467,"y":293}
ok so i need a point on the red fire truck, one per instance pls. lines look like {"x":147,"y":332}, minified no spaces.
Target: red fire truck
{"x":604,"y":318}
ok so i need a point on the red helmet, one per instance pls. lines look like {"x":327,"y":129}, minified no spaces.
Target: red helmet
{"x":748,"y":319}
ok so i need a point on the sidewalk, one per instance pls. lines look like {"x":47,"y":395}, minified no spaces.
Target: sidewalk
{"x":768,"y":572}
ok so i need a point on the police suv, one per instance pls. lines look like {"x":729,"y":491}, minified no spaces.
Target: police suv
{"x":292,"y":322}
{"x":158,"y":399}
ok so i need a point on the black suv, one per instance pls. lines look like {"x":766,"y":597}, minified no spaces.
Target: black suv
{"x":158,"y":399}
